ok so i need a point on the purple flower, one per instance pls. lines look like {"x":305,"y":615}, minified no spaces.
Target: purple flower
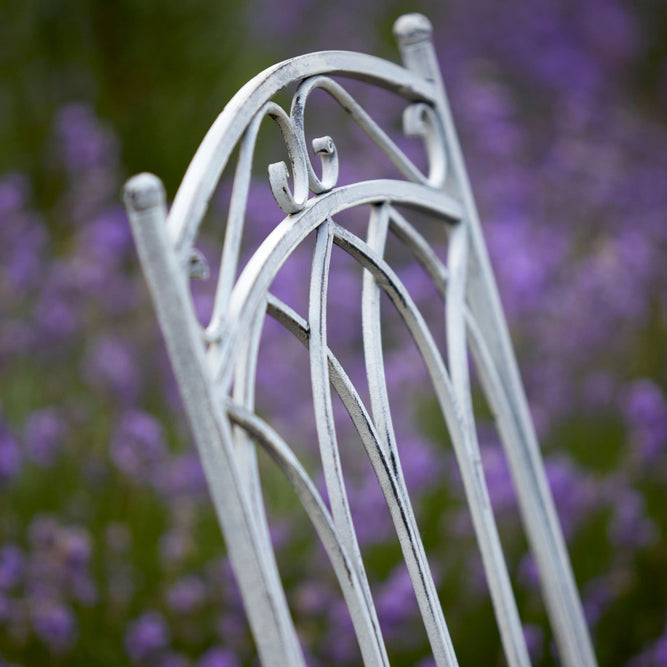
{"x":660,"y":651}
{"x":58,"y":309}
{"x":106,"y":239}
{"x":182,"y":475}
{"x":74,"y":545}
{"x":146,"y":636}
{"x":342,"y":647}
{"x":233,"y":628}
{"x":14,"y":192}
{"x":369,"y":509}
{"x":186,"y":595}
{"x":599,"y":388}
{"x":12,"y":562}
{"x":85,"y":144}
{"x":630,"y":527}
{"x":42,"y":532}
{"x":534,"y":637}
{"x":5,"y":613}
{"x":55,"y":624}
{"x":218,"y":657}
{"x":44,"y":432}
{"x":575,"y":495}
{"x":596,"y":597}
{"x":645,"y":411}
{"x":421,"y":465}
{"x":312,"y":598}
{"x":137,"y":447}
{"x":396,"y":602}
{"x":111,"y":364}
{"x":10,"y":455}
{"x":498,"y":480}
{"x":528,"y":573}
{"x":174,"y":660}
{"x":23,"y":254}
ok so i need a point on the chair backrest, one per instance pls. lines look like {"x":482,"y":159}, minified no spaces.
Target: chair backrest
{"x":215,"y":365}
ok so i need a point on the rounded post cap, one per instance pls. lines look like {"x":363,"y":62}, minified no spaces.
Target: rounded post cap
{"x":143,"y":191}
{"x":412,"y":28}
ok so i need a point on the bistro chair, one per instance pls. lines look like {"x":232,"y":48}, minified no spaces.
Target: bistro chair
{"x":216,"y":364}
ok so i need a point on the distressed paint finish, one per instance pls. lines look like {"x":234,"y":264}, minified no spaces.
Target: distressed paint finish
{"x":215,"y":365}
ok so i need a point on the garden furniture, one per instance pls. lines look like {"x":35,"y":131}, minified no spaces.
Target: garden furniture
{"x":216,"y":364}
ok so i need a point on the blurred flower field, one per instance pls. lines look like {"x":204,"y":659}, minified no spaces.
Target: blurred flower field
{"x":109,"y":550}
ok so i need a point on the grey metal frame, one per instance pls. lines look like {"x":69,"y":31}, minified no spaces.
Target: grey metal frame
{"x":215,"y":366}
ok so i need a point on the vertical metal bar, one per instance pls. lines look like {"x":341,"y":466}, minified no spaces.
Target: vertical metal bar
{"x":324,"y":418}
{"x":485,"y":526}
{"x":362,"y":615}
{"x":413,"y":32}
{"x":413,"y":549}
{"x":266,"y":608}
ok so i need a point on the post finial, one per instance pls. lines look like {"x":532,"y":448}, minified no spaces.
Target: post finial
{"x":414,"y":36}
{"x":412,"y":29}
{"x":144,"y":191}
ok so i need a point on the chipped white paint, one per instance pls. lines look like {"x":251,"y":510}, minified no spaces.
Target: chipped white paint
{"x":215,"y":365}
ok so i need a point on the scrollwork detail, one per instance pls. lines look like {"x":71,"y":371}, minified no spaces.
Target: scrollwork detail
{"x":326,"y":149}
{"x":420,"y":120}
{"x":290,"y":201}
{"x":322,"y":146}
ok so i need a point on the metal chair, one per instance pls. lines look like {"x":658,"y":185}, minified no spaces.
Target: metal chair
{"x":215,"y":365}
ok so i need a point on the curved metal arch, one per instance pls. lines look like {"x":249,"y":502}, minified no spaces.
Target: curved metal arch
{"x":453,"y":400}
{"x":385,"y":464}
{"x":263,"y":266}
{"x":213,"y":153}
{"x":355,"y":594}
{"x":465,"y":446}
{"x":420,"y":120}
{"x":536,"y":517}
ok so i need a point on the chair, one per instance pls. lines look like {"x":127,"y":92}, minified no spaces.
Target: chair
{"x":215,"y":365}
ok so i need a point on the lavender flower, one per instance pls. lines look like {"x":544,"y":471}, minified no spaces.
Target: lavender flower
{"x":182,"y":476}
{"x":55,"y":625}
{"x":10,"y":456}
{"x":106,"y":239}
{"x":12,"y":562}
{"x":84,"y":143}
{"x":574,"y":494}
{"x":630,"y":527}
{"x":396,"y":602}
{"x":111,"y":365}
{"x":218,"y":657}
{"x":146,"y":636}
{"x":174,"y":660}
{"x":14,"y":193}
{"x":645,"y":410}
{"x":534,"y":637}
{"x":44,"y":434}
{"x":186,"y":595}
{"x":137,"y":447}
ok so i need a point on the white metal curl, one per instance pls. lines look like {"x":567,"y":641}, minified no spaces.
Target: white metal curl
{"x":419,"y":121}
{"x":213,"y":154}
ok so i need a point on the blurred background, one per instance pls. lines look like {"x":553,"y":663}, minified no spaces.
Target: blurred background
{"x":109,"y":550}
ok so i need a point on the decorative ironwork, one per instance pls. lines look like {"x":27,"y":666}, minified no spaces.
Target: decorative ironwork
{"x":215,"y":365}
